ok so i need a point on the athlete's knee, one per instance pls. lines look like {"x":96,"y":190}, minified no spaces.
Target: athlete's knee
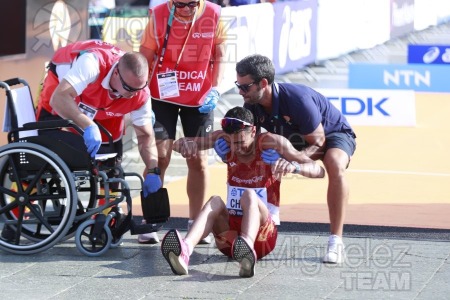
{"x":215,"y":202}
{"x":248,"y":198}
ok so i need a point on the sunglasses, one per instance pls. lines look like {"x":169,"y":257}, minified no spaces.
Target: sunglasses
{"x":244,"y":87}
{"x":191,"y":4}
{"x":128,"y":88}
{"x":233,"y":125}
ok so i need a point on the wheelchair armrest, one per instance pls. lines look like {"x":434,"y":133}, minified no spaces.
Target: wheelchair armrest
{"x":52,"y":124}
{"x":107,"y":133}
{"x":14,"y":81}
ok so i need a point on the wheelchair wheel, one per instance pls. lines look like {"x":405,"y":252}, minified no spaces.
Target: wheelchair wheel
{"x":86,"y":188}
{"x":38,"y":199}
{"x":114,"y":224}
{"x":116,"y":242}
{"x":90,"y":243}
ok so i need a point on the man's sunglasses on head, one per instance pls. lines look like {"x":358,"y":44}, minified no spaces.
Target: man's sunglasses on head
{"x":233,"y":125}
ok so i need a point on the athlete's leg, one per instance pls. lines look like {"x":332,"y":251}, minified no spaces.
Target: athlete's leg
{"x":212,"y":218}
{"x":255,"y":214}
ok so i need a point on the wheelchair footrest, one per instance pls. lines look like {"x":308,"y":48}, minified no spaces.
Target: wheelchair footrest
{"x":144,"y":228}
{"x":156,"y":207}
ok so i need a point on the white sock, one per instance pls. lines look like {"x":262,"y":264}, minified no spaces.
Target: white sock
{"x":334,"y":239}
{"x":189,"y":246}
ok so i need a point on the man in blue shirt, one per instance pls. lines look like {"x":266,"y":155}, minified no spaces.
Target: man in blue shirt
{"x":311,"y":123}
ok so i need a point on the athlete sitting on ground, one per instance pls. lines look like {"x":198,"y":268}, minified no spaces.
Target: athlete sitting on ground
{"x":245,"y":227}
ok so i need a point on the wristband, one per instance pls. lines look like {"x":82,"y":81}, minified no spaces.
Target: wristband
{"x":297,"y":167}
{"x":156,"y":171}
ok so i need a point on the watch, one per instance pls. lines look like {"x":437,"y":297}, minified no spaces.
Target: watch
{"x":297,"y":167}
{"x":155,"y":170}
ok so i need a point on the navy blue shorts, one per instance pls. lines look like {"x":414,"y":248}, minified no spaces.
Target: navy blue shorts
{"x":341,"y":140}
{"x":194,"y":123}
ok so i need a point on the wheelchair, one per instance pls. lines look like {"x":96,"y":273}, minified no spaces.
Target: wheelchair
{"x":50,"y":190}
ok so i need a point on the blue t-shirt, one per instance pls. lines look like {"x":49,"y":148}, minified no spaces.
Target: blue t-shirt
{"x":242,"y":2}
{"x":297,"y":110}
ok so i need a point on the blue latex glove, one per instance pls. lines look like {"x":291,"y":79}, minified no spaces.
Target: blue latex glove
{"x":270,"y":156}
{"x":92,"y":139}
{"x":152,"y":183}
{"x":153,"y":118}
{"x":210,"y":102}
{"x":221,"y":147}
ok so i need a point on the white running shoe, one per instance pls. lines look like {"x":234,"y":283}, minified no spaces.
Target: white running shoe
{"x":175,"y":251}
{"x":335,"y":251}
{"x":148,"y":238}
{"x":205,"y":241}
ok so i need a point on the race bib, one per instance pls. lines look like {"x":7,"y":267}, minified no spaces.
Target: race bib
{"x":234,"y":194}
{"x":168,"y":85}
{"x":90,"y":112}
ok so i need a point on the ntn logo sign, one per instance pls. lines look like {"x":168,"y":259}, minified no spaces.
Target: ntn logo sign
{"x":407,"y":78}
{"x":418,"y":77}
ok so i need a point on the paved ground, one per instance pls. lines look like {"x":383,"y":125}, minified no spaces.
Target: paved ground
{"x":382,"y":263}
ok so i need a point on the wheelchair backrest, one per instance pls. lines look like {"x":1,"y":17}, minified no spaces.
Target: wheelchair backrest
{"x":19,"y":107}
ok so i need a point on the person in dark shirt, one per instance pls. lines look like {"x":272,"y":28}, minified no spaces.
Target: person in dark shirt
{"x":311,"y":123}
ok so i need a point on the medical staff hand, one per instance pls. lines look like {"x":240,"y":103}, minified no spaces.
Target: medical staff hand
{"x":210,"y":101}
{"x":92,"y":139}
{"x":270,"y":156}
{"x":152,"y":184}
{"x":153,"y":118}
{"x":221,"y":147}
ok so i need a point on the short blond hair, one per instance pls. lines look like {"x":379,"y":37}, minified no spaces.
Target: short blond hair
{"x":136,"y":63}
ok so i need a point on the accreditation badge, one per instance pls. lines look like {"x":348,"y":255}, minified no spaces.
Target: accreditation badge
{"x":168,"y":85}
{"x":90,"y":112}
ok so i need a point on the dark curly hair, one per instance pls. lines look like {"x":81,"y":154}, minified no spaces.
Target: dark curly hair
{"x":257,"y":66}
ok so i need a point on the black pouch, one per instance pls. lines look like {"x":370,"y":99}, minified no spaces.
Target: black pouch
{"x":156,"y":206}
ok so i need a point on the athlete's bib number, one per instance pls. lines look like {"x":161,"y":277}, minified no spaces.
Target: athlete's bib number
{"x":234,"y":195}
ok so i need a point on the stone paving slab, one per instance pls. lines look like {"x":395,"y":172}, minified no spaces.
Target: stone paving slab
{"x":377,"y":267}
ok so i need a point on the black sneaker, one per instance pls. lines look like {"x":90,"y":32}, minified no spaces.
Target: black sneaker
{"x":245,"y":255}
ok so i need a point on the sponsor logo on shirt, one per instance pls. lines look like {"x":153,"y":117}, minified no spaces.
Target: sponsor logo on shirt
{"x":111,"y":114}
{"x":203,"y":35}
{"x":248,"y":181}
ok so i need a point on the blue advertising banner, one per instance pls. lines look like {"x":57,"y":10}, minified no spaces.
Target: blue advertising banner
{"x":417,"y":77}
{"x":429,"y":54}
{"x":294,"y":35}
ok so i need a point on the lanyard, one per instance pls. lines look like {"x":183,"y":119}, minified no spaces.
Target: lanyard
{"x":166,"y":38}
{"x":275,"y":108}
